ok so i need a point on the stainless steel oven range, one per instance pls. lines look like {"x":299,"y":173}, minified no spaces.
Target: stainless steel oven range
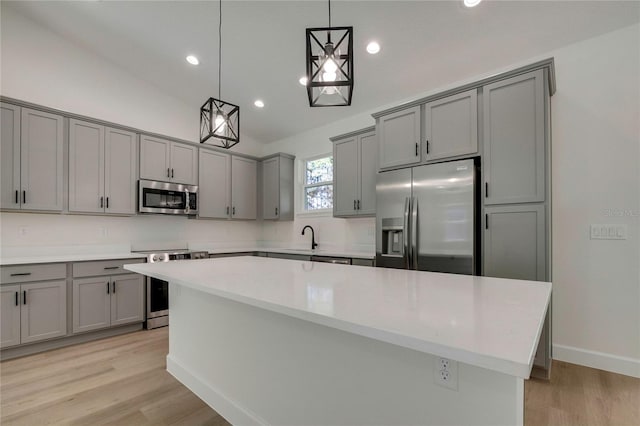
{"x":158,"y":290}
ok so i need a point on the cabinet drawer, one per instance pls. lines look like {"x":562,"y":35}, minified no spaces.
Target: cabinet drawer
{"x":102,"y":267}
{"x":26,"y":273}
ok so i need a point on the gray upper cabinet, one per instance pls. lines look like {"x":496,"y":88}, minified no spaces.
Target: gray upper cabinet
{"x":244,"y":175}
{"x":514,"y":242}
{"x":514,"y":139}
{"x":32,"y":159}
{"x":102,"y":169}
{"x":10,"y":196}
{"x":399,"y":138}
{"x":355,"y":157}
{"x":277,"y":187}
{"x":214,"y":190}
{"x":451,"y":126}
{"x":168,"y":161}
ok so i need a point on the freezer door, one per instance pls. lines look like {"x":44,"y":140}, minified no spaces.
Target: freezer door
{"x":444,"y":196}
{"x":393,"y":192}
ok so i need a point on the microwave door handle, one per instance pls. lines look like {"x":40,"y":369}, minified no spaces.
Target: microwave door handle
{"x":186,"y":210}
{"x":406,"y":255}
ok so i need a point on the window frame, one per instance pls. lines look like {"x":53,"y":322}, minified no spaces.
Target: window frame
{"x":303,"y":187}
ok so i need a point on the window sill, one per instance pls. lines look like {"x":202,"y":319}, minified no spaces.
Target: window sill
{"x":316,"y":213}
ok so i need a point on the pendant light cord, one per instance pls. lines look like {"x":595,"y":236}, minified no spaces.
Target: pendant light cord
{"x":220,"y":51}
{"x":329,"y":13}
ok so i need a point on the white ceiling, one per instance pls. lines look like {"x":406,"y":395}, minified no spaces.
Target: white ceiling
{"x":425,"y":45}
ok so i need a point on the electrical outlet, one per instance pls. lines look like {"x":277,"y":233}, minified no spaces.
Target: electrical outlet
{"x":445,"y":373}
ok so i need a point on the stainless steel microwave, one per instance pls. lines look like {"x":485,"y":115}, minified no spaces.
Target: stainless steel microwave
{"x":167,"y":198}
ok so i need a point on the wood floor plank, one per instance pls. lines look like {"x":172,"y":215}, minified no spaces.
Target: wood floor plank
{"x":123,"y":381}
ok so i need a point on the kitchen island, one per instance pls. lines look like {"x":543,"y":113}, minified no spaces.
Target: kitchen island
{"x":272,"y":341}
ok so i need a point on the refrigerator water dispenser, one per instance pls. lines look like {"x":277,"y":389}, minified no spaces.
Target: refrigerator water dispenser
{"x":392,"y":237}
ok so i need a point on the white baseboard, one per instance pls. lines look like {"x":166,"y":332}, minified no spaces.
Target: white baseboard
{"x":226,"y":407}
{"x":599,"y":360}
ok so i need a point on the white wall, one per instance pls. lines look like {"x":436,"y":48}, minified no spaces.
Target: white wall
{"x":596,"y":163}
{"x":596,"y":168}
{"x":40,"y":67}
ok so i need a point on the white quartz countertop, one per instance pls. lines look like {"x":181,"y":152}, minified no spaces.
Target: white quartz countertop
{"x":78,"y":257}
{"x":308,"y":252}
{"x":487,"y":322}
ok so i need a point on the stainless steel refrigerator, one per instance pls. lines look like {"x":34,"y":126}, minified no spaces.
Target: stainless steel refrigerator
{"x":426,"y":218}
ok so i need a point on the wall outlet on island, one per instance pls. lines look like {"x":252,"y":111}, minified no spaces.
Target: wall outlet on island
{"x":445,"y":373}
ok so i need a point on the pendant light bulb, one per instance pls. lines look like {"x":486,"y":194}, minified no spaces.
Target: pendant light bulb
{"x":330,"y":66}
{"x":220,"y":123}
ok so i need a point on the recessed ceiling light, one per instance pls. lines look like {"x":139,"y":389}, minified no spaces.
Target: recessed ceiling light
{"x":259,"y":103}
{"x":303,"y":81}
{"x":471,"y":3}
{"x":373,"y":47}
{"x":192,"y":60}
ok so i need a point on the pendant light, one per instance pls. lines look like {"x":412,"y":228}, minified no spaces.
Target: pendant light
{"x":329,"y":65}
{"x":219,"y":120}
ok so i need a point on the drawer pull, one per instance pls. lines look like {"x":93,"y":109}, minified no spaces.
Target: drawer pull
{"x":111,"y":267}
{"x":21,"y":274}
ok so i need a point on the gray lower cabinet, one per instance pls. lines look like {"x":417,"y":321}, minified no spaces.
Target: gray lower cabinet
{"x":32,"y":159}
{"x":514,"y":139}
{"x":102,"y":169}
{"x":355,"y":157}
{"x":33,"y":312}
{"x":515,"y":242}
{"x":451,"y":126}
{"x":399,"y":138}
{"x":106,"y":301}
{"x":277,"y":187}
{"x":168,"y":161}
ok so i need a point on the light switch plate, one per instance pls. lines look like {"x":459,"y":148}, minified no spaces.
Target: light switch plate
{"x":608,"y":232}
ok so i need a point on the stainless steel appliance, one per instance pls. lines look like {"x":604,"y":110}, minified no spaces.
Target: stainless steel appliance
{"x":158,"y":290}
{"x":167,"y":198}
{"x":426,"y":218}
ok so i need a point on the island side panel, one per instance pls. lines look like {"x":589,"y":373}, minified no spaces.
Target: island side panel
{"x":258,"y":367}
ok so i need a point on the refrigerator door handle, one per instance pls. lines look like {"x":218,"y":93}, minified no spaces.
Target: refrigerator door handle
{"x":406,"y":255}
{"x":414,"y":233}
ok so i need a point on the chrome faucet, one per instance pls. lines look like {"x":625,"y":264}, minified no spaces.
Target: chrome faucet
{"x":313,"y":237}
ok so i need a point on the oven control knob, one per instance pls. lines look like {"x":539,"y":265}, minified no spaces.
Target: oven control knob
{"x":156,"y":258}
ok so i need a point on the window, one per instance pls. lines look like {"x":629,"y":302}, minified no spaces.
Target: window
{"x":318,"y":184}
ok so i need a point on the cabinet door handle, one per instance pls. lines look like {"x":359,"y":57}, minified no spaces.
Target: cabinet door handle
{"x":111,"y":267}
{"x":17,"y":301}
{"x":486,"y":190}
{"x":172,"y":173}
{"x":416,"y":149}
{"x":168,"y":172}
{"x":358,"y":204}
{"x":354,"y":204}
{"x":233,"y":211}
{"x":17,"y":196}
{"x":21,"y":274}
{"x":427,"y":147}
{"x":24,"y":297}
{"x":276,"y":211}
{"x":107,"y":202}
{"x":486,"y":221}
{"x":227,"y":210}
{"x":24,"y":197}
{"x":113,"y":287}
{"x":101,"y":202}
{"x":108,"y":284}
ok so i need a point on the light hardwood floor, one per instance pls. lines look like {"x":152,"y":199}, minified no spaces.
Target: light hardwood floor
{"x":122,"y":381}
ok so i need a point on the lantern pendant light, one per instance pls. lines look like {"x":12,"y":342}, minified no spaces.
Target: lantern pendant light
{"x":329,"y":65}
{"x":219,"y":120}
